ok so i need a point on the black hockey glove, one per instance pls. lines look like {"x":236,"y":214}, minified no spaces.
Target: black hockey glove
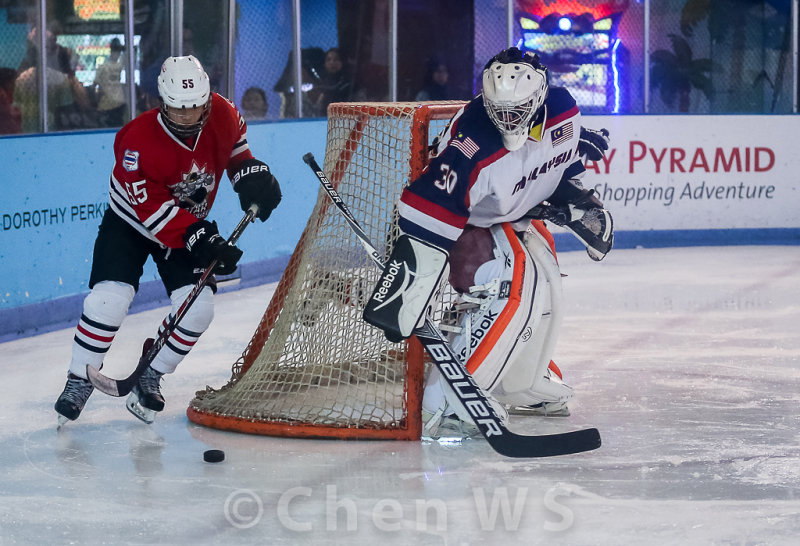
{"x":254,"y":183}
{"x":593,"y":144}
{"x":205,"y":243}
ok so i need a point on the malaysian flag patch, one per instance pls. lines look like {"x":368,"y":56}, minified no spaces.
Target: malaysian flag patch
{"x":130,"y":160}
{"x":561,"y":134}
{"x":466,"y":147}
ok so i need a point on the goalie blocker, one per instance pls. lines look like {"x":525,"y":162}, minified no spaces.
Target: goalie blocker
{"x":411,"y":276}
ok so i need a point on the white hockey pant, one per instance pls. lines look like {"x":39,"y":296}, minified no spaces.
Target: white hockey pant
{"x":104,"y":309}
{"x":508,"y":328}
{"x":196,"y":321}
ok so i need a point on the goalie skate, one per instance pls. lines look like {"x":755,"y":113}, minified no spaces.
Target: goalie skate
{"x":436,"y":426}
{"x":546,"y":409}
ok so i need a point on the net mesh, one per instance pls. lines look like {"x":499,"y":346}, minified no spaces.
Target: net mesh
{"x":313,"y":366}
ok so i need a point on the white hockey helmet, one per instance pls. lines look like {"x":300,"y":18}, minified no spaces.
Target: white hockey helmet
{"x":185,"y":93}
{"x":514,"y":89}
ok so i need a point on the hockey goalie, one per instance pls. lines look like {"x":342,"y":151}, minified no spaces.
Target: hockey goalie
{"x":508,"y":161}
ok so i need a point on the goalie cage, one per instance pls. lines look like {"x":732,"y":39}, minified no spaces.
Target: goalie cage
{"x":313,"y":367}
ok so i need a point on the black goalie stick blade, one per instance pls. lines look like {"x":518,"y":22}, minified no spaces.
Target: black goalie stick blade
{"x":470,"y":395}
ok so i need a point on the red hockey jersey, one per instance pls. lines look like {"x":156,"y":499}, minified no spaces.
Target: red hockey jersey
{"x":160,"y":185}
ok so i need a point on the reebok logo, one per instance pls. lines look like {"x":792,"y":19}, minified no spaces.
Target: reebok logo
{"x":388,"y":279}
{"x":478,"y":331}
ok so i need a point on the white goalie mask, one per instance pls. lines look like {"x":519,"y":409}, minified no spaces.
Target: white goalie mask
{"x":514,"y":89}
{"x":185,"y":93}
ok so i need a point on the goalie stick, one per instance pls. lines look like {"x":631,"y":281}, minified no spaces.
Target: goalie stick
{"x":502,"y":440}
{"x":121,"y":387}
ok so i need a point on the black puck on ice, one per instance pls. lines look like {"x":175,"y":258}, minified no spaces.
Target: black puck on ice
{"x":214,"y":456}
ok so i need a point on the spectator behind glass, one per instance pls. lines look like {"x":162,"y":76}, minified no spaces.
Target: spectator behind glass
{"x":68,"y":105}
{"x":335,"y":84}
{"x":254,"y":104}
{"x":435,"y":83}
{"x":10,"y":116}
{"x":313,"y":59}
{"x":109,"y":88}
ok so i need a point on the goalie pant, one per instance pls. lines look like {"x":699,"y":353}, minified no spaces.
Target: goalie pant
{"x":509,"y":316}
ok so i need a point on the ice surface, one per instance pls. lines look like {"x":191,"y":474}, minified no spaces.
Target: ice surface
{"x":687,"y":360}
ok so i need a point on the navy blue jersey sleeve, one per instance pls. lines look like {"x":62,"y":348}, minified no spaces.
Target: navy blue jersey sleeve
{"x":435,"y":206}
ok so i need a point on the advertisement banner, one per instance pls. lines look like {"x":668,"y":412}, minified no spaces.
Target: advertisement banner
{"x":698,"y":172}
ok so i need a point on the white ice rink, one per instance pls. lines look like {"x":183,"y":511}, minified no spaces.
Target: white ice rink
{"x":687,"y":360}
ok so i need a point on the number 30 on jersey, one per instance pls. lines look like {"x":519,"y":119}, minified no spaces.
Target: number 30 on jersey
{"x":448,"y":180}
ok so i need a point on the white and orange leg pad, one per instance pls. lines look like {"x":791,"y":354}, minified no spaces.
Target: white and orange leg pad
{"x":501,"y":312}
{"x":196,"y":321}
{"x":532,"y":380}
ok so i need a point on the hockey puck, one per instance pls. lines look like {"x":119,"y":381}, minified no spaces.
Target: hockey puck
{"x":214,"y":456}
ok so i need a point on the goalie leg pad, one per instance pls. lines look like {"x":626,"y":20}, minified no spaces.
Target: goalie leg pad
{"x":500,"y":310}
{"x":411,"y":276}
{"x":530,"y":379}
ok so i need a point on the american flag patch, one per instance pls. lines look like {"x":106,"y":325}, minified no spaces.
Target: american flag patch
{"x":466,"y":147}
{"x":130,"y":160}
{"x":561,"y":134}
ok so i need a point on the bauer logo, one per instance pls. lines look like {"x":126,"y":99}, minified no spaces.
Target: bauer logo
{"x":130,"y":160}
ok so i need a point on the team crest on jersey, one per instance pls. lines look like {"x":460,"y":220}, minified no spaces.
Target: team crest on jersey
{"x":130,"y":160}
{"x":561,"y":134}
{"x":191,"y":192}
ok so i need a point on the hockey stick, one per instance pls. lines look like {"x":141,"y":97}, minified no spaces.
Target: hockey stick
{"x":460,"y":381}
{"x":121,"y":387}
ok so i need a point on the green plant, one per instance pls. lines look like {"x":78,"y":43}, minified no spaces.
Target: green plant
{"x":676,"y":72}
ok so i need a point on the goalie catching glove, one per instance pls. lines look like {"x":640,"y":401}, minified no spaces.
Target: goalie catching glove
{"x":411,"y":276}
{"x":255,"y":184}
{"x":204,"y":242}
{"x":580,"y":211}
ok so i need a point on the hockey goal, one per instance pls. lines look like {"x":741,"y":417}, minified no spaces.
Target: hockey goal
{"x":313,"y":367}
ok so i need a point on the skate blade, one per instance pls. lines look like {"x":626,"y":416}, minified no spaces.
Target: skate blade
{"x":141,"y":413}
{"x":539,"y":411}
{"x":61,"y":421}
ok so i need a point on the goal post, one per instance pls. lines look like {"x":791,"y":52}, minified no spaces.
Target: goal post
{"x":313,"y":367}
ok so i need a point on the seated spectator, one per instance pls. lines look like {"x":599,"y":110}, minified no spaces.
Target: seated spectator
{"x":109,"y":88}
{"x":435,"y":82}
{"x":254,"y":104}
{"x":10,"y":115}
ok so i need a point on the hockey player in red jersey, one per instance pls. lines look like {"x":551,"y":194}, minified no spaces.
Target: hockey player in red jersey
{"x":169,"y":165}
{"x":511,"y":154}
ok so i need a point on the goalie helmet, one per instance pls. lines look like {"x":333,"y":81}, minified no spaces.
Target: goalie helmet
{"x":185,"y":93}
{"x":514,"y":89}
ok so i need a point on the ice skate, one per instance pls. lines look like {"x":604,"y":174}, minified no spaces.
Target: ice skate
{"x":145,"y":399}
{"x":546,"y":409}
{"x":71,"y":401}
{"x":446,"y":428}
{"x":444,"y":425}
